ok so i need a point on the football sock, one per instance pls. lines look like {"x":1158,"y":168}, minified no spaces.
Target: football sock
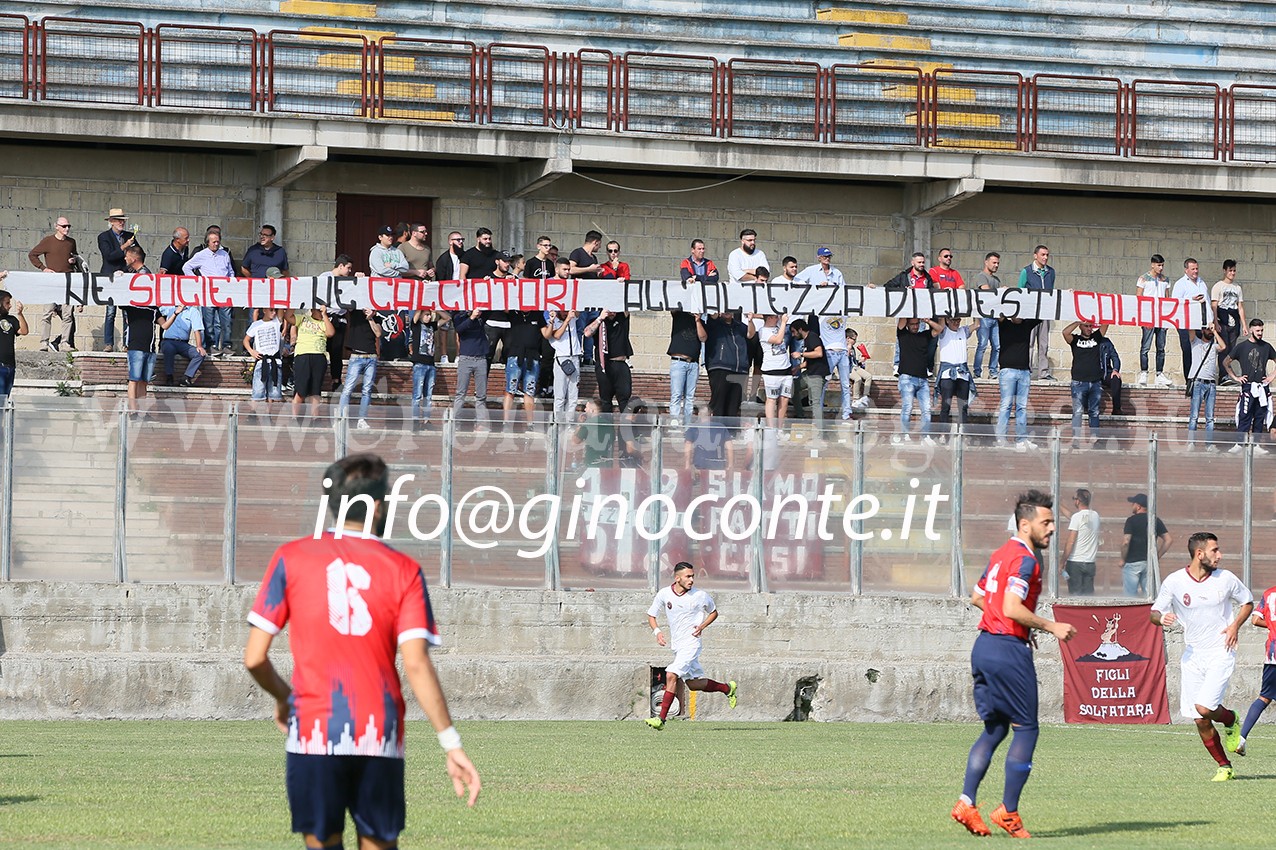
{"x":665,"y":702}
{"x":1019,"y":765}
{"x":1255,"y":709}
{"x":981,"y":756}
{"x":1215,"y":746}
{"x":1226,"y":716}
{"x":719,"y":687}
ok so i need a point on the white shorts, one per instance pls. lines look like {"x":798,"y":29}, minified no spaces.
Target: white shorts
{"x":1205,"y":681}
{"x":686,"y":664}
{"x":778,"y":386}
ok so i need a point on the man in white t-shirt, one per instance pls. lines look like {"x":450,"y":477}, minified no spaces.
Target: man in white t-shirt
{"x":777,"y":368}
{"x":688,"y":612}
{"x":836,"y":354}
{"x":1212,"y":604}
{"x":263,"y":342}
{"x":1191,"y":287}
{"x":1083,"y":546}
{"x":744,"y":262}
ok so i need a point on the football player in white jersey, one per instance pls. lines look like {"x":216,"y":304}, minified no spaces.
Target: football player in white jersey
{"x":688,"y":612}
{"x":1211,"y":604}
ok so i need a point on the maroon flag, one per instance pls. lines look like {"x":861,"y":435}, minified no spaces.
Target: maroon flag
{"x":1114,"y":669}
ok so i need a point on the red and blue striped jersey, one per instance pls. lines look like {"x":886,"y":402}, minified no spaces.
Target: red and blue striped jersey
{"x":1013,"y":568}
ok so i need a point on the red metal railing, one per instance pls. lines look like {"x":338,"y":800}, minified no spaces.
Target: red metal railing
{"x":203,"y":67}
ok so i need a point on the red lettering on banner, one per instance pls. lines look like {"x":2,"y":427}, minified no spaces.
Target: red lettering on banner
{"x":442,"y":302}
{"x":531,"y":287}
{"x":1082,"y":315}
{"x":1167,"y":313}
{"x":280,"y":301}
{"x":179,"y":293}
{"x":370,"y":283}
{"x":147,"y":295}
{"x":401,"y":300}
{"x":479,"y":294}
{"x":555,"y":291}
{"x":211,"y":292}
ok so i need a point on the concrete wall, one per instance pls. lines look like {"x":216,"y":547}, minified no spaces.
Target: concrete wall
{"x":173,"y":651}
{"x":1098,"y":242}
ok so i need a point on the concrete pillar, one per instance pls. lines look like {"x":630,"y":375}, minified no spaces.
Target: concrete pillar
{"x":270,"y":210}
{"x":512,"y":236}
{"x":920,"y":227}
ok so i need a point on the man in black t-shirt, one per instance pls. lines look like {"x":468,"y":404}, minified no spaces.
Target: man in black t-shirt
{"x":363,"y":336}
{"x":479,"y":261}
{"x":686,"y":335}
{"x":12,"y":325}
{"x":540,"y":266}
{"x":1015,"y":377}
{"x":914,"y":371}
{"x":814,"y":365}
{"x":1252,"y":364}
{"x":425,"y":345}
{"x":139,"y":332}
{"x":523,"y":359}
{"x":584,"y":265}
{"x":1086,"y":343}
{"x":1134,"y":549}
{"x":615,"y":382}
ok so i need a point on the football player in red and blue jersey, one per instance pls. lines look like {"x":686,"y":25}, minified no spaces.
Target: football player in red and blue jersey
{"x":351,"y":601}
{"x":1264,"y":618}
{"x":1001,"y":663}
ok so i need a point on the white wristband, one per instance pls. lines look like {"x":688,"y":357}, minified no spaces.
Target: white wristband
{"x":655,"y":631}
{"x":450,"y":739}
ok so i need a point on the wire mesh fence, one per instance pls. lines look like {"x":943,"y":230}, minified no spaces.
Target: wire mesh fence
{"x":1253,"y":123}
{"x":876,"y":105}
{"x":663,"y":93}
{"x":93,"y":61}
{"x":424,"y":80}
{"x":518,"y":85}
{"x":977,"y":109}
{"x":318,"y":73}
{"x":1077,"y":114}
{"x":1178,"y":120}
{"x":15,"y":57}
{"x":774,"y":100}
{"x":206,"y":67}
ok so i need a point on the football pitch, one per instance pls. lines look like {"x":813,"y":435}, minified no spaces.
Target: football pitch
{"x":735,"y":785}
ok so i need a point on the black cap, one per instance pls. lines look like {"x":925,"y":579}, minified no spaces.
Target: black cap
{"x":1140,"y":499}
{"x":501,"y":255}
{"x":385,"y":231}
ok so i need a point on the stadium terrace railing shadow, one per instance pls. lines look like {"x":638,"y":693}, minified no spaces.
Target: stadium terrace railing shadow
{"x":73,"y":61}
{"x":204,"y":492}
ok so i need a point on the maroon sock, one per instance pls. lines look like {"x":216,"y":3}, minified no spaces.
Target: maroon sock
{"x":717,"y":687}
{"x":1215,"y":746}
{"x":1225,"y":716}
{"x":665,"y":702}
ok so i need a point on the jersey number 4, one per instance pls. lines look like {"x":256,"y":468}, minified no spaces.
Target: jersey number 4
{"x":347,"y":610}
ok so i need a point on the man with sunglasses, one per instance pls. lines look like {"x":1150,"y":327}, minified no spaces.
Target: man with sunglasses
{"x":57,"y":254}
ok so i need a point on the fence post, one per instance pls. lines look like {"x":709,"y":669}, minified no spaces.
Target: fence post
{"x":1154,"y":568}
{"x":553,"y":572}
{"x":957,"y":582}
{"x":1056,"y":481}
{"x":121,"y":486}
{"x":445,"y":493}
{"x":6,"y":490}
{"x":757,"y":563}
{"x":232,"y":481}
{"x":655,"y":474}
{"x":1247,"y":513}
{"x":857,"y":490}
{"x":341,"y":433}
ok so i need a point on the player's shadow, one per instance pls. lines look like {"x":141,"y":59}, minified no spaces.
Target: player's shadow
{"x":14,"y":799}
{"x":1260,"y":776}
{"x":1119,"y":826}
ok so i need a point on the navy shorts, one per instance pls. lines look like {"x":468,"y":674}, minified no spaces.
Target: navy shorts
{"x":1269,"y":682}
{"x":322,"y":788}
{"x":1005,"y":679}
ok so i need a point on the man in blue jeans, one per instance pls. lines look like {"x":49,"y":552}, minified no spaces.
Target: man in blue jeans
{"x":187,"y":324}
{"x":1086,"y":343}
{"x":1134,"y":549}
{"x":1015,"y":377}
{"x":989,"y":333}
{"x":1203,"y":378}
{"x":363,"y":338}
{"x":914,"y":366}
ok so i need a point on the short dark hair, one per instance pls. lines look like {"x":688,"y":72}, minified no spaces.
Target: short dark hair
{"x":990,"y":255}
{"x":269,"y":227}
{"x":1083,"y":496}
{"x":1229,"y":264}
{"x":1028,"y":503}
{"x":4,"y":293}
{"x":1190,"y":260}
{"x":343,"y":259}
{"x":1041,"y":248}
{"x":683,"y":565}
{"x":1255,"y":323}
{"x":353,"y":484}
{"x":748,"y":231}
{"x":482,"y":231}
{"x":762,"y":271}
{"x":1198,"y":540}
{"x":788,"y":260}
{"x":853,"y":332}
{"x":1157,"y":258}
{"x":593,"y":236}
{"x":917,"y":254}
{"x":695,"y":242}
{"x":798,"y":326}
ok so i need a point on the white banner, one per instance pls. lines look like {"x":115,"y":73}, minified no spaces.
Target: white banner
{"x":388,"y":294}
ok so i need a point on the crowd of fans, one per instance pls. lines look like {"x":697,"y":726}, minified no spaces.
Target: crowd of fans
{"x":785,"y":361}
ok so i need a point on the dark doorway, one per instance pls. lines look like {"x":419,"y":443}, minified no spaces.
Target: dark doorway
{"x":360,"y":216}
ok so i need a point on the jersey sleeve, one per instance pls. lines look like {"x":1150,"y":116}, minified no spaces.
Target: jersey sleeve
{"x":1164,"y":598}
{"x":270,"y":610}
{"x":1240,"y":593}
{"x":416,"y":615}
{"x":709,"y":607}
{"x":654,"y":610}
{"x":1020,"y":581}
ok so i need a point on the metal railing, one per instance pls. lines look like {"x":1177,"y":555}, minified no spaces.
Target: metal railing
{"x":205,"y":492}
{"x":319,"y":72}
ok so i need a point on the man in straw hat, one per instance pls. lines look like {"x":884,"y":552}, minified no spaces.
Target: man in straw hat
{"x":111,"y":244}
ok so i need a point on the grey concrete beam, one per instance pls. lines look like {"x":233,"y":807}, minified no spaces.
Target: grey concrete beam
{"x":521,"y":179}
{"x":927,"y":200}
{"x":287,"y":165}
{"x":665,"y":154}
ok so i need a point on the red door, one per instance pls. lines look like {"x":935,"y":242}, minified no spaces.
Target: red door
{"x":359,"y":217}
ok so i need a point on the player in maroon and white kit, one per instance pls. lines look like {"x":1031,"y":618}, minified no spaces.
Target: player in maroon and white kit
{"x":351,"y":600}
{"x":1264,"y":618}
{"x":1001,"y":663}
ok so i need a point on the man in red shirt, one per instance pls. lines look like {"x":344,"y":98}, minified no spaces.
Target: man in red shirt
{"x":351,"y":600}
{"x":944,"y":275}
{"x":614,"y":268}
{"x":1001,"y":663}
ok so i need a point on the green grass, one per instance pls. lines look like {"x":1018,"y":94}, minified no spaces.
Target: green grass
{"x":621,"y":785}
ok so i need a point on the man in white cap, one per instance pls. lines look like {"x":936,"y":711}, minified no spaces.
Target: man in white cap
{"x":111,"y":244}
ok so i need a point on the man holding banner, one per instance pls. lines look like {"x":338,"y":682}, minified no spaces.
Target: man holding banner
{"x":1001,"y":663}
{"x":1212,"y":604}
